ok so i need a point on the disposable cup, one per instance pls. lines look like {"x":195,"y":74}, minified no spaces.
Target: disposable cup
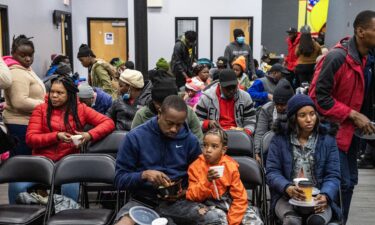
{"x":218,"y":169}
{"x":76,"y":139}
{"x":297,"y":180}
{"x":160,"y":221}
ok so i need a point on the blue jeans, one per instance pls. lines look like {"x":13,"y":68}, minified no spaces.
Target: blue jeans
{"x":19,"y":131}
{"x":349,"y":175}
{"x":68,"y":190}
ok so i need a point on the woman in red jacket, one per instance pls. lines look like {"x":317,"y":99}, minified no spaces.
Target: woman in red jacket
{"x":53,"y":124}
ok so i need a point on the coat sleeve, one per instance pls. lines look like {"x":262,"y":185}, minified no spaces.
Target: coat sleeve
{"x":199,"y":188}
{"x":202,"y":109}
{"x":104,"y":80}
{"x":35,"y":136}
{"x":5,"y":75}
{"x":228,"y":55}
{"x":178,"y":58}
{"x":19,"y":93}
{"x":195,"y":125}
{"x":257,"y":92}
{"x":325,"y":84}
{"x":261,"y":128}
{"x":331,"y":179}
{"x":137,"y":120}
{"x":127,"y":177}
{"x":274,"y":175}
{"x":239,"y":204}
{"x":251,"y":66}
{"x":249,"y":114}
{"x":102,"y":124}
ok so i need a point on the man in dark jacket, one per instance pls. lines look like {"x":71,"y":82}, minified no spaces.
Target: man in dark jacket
{"x":237,"y":48}
{"x":95,"y":98}
{"x":156,"y":154}
{"x":338,"y":90}
{"x":183,"y":57}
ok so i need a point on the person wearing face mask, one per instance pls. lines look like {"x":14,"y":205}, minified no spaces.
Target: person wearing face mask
{"x":262,"y":89}
{"x":237,"y":48}
{"x":94,"y":97}
{"x":133,"y":94}
{"x":183,"y":57}
{"x":271,"y":112}
{"x":224,"y":105}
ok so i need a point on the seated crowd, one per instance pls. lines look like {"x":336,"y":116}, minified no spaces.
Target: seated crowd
{"x":176,"y":125}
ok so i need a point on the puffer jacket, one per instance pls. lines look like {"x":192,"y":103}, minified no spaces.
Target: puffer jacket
{"x":122,"y":112}
{"x":338,"y":87}
{"x":44,"y":142}
{"x":200,"y":189}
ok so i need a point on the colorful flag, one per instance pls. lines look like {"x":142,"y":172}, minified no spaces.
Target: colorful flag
{"x":311,"y":4}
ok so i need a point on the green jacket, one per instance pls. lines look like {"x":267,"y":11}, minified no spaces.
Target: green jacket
{"x":101,"y":77}
{"x":144,"y":114}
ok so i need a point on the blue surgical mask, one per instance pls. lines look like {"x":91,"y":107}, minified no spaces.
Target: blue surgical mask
{"x":240,"y":40}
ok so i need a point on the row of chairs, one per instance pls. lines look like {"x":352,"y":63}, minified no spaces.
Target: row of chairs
{"x":74,"y":168}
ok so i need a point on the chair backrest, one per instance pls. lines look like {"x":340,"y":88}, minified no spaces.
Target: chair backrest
{"x":240,"y":144}
{"x":27,"y":168}
{"x":251,"y":172}
{"x":108,"y":145}
{"x":85,"y":168}
{"x":266,"y":141}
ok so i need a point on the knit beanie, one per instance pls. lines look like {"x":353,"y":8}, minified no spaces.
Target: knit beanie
{"x":84,"y":51}
{"x":194,"y":84}
{"x":85,"y":91}
{"x":283,"y":92}
{"x":63,"y":69}
{"x":129,"y":65}
{"x":162,"y":88}
{"x":297,"y":102}
{"x":132,"y":77}
{"x":241,"y":61}
{"x":237,"y":33}
{"x":162,"y":64}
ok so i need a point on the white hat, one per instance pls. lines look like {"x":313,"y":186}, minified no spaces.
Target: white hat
{"x":132,"y":77}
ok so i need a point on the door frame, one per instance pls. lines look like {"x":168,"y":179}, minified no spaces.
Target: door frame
{"x":89,"y":19}
{"x":251,"y":32}
{"x":68,"y":32}
{"x":196,"y":27}
{"x":5,"y":29}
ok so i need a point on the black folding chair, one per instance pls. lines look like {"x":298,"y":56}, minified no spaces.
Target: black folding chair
{"x":108,"y":145}
{"x":253,"y":178}
{"x":240,"y":144}
{"x":35,"y":169}
{"x":83,"y":168}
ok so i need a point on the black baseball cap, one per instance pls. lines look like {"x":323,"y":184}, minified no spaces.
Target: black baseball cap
{"x":292,"y":30}
{"x":277,"y":67}
{"x":227,"y":77}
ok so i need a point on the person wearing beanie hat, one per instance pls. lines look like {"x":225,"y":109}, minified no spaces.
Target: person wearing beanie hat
{"x":162,"y":64}
{"x":239,"y":67}
{"x":101,"y":72}
{"x":162,"y":88}
{"x":271,"y":112}
{"x":95,"y":98}
{"x":237,"y":48}
{"x":222,"y":95}
{"x":133,"y":94}
{"x":262,"y":89}
{"x":303,"y":149}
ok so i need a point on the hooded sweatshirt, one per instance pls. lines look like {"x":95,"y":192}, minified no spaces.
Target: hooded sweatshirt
{"x":146,"y":148}
{"x":200,"y":189}
{"x":26,"y":92}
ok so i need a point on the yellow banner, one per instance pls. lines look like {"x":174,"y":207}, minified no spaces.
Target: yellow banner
{"x":316,"y":18}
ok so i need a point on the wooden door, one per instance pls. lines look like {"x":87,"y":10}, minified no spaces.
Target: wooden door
{"x":108,"y":38}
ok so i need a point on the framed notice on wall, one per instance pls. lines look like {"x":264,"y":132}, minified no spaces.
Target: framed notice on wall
{"x":108,"y":38}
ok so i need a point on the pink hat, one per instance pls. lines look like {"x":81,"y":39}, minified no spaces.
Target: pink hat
{"x":194,"y":84}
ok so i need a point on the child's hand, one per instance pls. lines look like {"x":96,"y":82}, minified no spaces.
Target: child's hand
{"x":212,"y":175}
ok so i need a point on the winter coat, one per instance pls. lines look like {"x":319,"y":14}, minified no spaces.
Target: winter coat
{"x":234,"y":50}
{"x":200,"y":189}
{"x":101,"y":77}
{"x":264,"y":123}
{"x":291,"y":58}
{"x":5,"y":75}
{"x":338,"y":87}
{"x":326,"y":171}
{"x":145,"y":113}
{"x":146,"y":148}
{"x":122,"y":112}
{"x":26,"y":92}
{"x":103,"y":101}
{"x":44,"y":142}
{"x":260,"y":89}
{"x":244,"y":112}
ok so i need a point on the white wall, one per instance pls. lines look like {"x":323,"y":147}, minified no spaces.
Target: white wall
{"x":161,"y":23}
{"x":81,"y":9}
{"x":34,"y":19}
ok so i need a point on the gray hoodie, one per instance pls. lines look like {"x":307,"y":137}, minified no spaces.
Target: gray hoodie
{"x":233,"y":50}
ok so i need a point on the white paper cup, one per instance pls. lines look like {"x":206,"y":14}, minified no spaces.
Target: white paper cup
{"x":297,"y":180}
{"x":160,"y":221}
{"x":218,"y":169}
{"x":76,"y":139}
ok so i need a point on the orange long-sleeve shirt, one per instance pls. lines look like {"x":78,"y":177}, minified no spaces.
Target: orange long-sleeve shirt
{"x":200,"y":189}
